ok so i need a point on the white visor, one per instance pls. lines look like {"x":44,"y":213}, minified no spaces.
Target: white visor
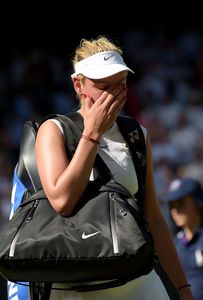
{"x":101,"y":65}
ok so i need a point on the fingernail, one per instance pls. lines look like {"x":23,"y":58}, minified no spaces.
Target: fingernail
{"x":83,"y":95}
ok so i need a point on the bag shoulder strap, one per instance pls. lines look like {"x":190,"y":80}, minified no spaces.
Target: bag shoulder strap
{"x":134,"y":136}
{"x":26,"y":168}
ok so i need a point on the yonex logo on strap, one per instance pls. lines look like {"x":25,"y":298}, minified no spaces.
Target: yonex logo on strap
{"x":134,"y":135}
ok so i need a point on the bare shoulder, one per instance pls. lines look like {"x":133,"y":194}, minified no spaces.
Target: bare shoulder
{"x":49,"y":127}
{"x":49,"y":135}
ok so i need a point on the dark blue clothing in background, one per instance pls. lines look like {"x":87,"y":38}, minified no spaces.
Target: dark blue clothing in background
{"x":191,"y":257}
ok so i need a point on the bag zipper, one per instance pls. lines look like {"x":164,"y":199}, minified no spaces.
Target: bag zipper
{"x":27,"y":219}
{"x":113,"y":224}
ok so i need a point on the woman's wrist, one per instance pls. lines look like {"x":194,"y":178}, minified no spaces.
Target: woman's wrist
{"x":183,"y":286}
{"x":90,"y":139}
{"x":92,"y":134}
{"x":185,"y":291}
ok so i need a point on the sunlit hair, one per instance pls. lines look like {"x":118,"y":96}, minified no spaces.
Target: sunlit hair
{"x":93,"y":46}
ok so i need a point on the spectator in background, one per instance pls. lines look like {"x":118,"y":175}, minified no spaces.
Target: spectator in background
{"x":185,"y":198}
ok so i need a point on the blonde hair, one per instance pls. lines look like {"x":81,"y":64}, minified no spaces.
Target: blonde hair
{"x":87,"y":48}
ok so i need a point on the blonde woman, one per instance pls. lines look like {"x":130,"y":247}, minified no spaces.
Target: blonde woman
{"x":99,"y":80}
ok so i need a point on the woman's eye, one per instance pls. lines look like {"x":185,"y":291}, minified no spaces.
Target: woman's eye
{"x":103,"y":88}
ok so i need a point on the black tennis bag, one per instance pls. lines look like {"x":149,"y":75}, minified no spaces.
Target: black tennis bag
{"x":106,"y":238}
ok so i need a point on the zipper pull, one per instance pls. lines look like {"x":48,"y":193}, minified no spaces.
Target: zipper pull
{"x":111,"y":195}
{"x":31,"y":213}
{"x":123,"y":212}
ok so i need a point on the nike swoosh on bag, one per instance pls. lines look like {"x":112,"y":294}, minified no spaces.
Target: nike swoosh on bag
{"x":86,"y":236}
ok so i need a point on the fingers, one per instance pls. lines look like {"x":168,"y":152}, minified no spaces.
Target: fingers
{"x":111,"y":102}
{"x":87,"y":103}
{"x":116,"y":107}
{"x":117,"y":101}
{"x":111,"y":98}
{"x":102,"y":112}
{"x":104,"y":98}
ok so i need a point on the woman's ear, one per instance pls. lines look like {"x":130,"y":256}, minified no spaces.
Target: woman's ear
{"x":77,"y":85}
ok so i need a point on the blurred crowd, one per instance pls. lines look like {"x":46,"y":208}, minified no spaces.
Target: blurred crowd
{"x":165,"y":95}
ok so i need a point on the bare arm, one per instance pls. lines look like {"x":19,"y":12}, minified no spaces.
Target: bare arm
{"x":64,"y":182}
{"x":163,"y":240}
